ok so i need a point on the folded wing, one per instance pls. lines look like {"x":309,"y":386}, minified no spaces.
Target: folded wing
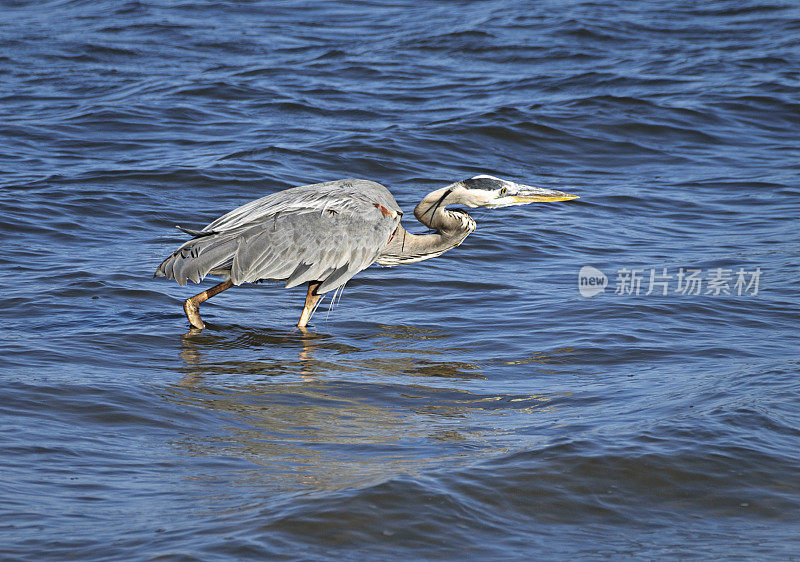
{"x":323,"y":232}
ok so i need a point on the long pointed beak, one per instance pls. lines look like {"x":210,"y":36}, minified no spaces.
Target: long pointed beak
{"x":528,"y":194}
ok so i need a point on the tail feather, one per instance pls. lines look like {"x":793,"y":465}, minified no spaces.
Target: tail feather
{"x":198,"y":257}
{"x":195,"y":233}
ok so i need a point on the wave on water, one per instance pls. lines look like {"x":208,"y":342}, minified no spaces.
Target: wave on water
{"x":472,"y":405}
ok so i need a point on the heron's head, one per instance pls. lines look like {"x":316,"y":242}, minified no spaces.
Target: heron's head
{"x":492,"y":192}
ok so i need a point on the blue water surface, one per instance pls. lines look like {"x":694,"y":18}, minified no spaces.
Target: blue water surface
{"x":474,"y":405}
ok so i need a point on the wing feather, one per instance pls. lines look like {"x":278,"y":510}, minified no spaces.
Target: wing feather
{"x":302,"y":247}
{"x":321,"y":197}
{"x":323,"y":232}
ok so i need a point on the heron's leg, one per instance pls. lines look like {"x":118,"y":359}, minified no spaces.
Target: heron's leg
{"x":192,"y":305}
{"x":311,"y":299}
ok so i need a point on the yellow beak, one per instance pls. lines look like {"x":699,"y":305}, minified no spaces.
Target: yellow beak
{"x":558,"y":196}
{"x":528,"y":194}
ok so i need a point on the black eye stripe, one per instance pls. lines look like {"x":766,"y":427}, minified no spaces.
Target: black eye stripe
{"x":481,"y":183}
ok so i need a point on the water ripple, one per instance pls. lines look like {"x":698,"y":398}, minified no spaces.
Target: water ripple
{"x":472,"y":405}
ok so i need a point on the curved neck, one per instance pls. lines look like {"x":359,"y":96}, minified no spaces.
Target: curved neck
{"x":450,"y":229}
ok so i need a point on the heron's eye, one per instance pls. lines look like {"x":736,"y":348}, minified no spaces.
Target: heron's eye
{"x":503,"y":191}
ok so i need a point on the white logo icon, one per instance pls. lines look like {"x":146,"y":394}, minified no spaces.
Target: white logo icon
{"x":591,"y":281}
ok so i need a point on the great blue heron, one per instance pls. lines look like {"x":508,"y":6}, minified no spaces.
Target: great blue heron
{"x":325,"y":233}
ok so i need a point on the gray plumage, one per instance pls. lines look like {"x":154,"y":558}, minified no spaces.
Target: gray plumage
{"x":324,"y":232}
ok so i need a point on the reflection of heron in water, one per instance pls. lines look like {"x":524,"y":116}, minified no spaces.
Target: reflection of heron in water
{"x":227,"y":349}
{"x":318,"y":412}
{"x":323,"y":234}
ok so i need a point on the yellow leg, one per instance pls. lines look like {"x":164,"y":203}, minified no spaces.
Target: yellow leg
{"x":311,"y":299}
{"x":192,"y":305}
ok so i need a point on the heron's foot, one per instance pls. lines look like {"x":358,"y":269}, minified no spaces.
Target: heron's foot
{"x":192,"y":310}
{"x":312,"y":298}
